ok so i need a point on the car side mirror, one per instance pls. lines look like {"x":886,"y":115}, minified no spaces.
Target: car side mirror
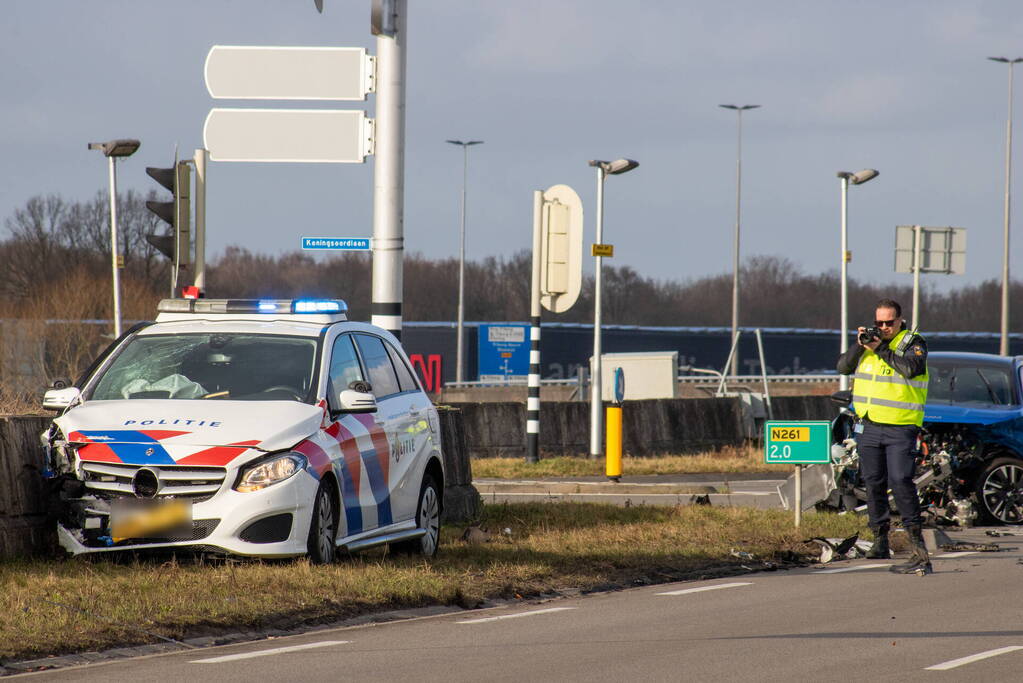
{"x":60,"y":399}
{"x":352,"y":401}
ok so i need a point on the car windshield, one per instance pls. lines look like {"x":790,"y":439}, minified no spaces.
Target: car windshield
{"x":249,"y":367}
{"x":953,"y":382}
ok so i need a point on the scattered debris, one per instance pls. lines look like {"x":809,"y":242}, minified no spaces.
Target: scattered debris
{"x":961,"y":546}
{"x":700,"y":500}
{"x":742,"y":554}
{"x":996,"y":533}
{"x":840,"y":548}
{"x":477,"y":535}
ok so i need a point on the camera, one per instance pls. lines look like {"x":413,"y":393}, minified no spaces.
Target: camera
{"x":868,"y":335}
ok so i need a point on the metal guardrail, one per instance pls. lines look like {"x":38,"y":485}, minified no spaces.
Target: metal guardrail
{"x":684,"y":379}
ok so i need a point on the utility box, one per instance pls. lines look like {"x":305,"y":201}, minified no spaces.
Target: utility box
{"x":648,"y":374}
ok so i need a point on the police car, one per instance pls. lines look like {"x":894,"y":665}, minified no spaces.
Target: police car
{"x":268,"y":428}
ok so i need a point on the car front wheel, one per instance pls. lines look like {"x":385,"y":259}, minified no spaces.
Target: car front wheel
{"x":1000,"y":490}
{"x":427,"y":518}
{"x":323,"y":529}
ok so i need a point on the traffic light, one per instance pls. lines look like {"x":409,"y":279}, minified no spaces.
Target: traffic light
{"x":176,"y":212}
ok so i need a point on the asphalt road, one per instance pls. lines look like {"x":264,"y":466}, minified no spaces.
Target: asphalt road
{"x":850,"y":619}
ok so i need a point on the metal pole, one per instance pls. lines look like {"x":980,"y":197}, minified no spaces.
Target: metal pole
{"x":201,"y":156}
{"x":843,"y":330}
{"x":917,"y":242}
{"x":113,"y":247}
{"x":461,"y":270}
{"x":533,"y":398}
{"x":596,"y":412}
{"x":735,"y":254}
{"x":1003,"y":346}
{"x":763,"y":375}
{"x":389,"y":175}
{"x":799,"y":494}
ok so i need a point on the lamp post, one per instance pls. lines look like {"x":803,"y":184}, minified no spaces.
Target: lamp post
{"x":461,"y":259}
{"x":604,"y":169}
{"x":739,"y":109}
{"x":1003,"y":345}
{"x":113,"y":150}
{"x":857,"y":178}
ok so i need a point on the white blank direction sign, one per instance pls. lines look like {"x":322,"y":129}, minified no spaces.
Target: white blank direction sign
{"x":282,"y":135}
{"x":289,"y":73}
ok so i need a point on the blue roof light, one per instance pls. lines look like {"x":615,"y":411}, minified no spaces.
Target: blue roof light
{"x":319,"y":306}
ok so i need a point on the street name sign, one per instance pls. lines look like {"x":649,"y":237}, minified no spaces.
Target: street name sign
{"x":337,"y":243}
{"x":607,"y":250}
{"x":289,"y":73}
{"x":797,"y":442}
{"x":288,"y":135}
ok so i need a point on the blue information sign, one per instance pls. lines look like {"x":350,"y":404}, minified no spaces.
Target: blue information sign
{"x":336,"y":243}
{"x":503,"y":352}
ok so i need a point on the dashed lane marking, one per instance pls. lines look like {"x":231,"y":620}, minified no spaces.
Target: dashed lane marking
{"x":952,"y":556}
{"x":953,"y":663}
{"x":852,"y":569}
{"x":267,"y":653}
{"x":706,"y":588}
{"x":514,"y":616}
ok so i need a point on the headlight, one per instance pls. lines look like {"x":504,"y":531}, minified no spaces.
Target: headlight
{"x":269,"y":472}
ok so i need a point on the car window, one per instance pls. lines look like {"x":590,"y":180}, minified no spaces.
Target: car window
{"x":344,"y":367}
{"x":378,"y":366}
{"x":406,"y":380}
{"x":251,"y":367}
{"x":974,"y":384}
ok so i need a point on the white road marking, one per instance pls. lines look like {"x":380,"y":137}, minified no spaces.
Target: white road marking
{"x":852,"y":569}
{"x":953,"y":663}
{"x":514,"y":616}
{"x":952,"y":556}
{"x":267,"y":653}
{"x":706,"y":588}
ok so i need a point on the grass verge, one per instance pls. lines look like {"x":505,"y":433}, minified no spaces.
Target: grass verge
{"x":54,"y":607}
{"x":729,"y":459}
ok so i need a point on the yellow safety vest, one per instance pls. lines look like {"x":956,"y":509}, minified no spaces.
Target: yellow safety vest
{"x":885,"y":396}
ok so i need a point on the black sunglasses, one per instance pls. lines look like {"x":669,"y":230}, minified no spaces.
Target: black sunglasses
{"x":886,"y":323}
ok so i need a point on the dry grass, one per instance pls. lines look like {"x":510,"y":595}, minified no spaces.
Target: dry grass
{"x":730,"y":459}
{"x":82,"y":604}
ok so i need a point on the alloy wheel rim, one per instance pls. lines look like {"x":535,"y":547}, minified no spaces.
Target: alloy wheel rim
{"x":325,"y":520}
{"x":430,"y":520}
{"x":1003,"y":493}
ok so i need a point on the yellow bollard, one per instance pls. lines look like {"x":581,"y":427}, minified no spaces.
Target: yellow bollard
{"x":613,"y":467}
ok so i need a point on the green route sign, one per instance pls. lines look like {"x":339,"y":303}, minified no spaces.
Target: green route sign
{"x":797,"y":442}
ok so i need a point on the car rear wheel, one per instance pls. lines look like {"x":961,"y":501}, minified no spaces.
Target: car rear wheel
{"x":1000,"y":490}
{"x":428,"y":518}
{"x":323,"y":529}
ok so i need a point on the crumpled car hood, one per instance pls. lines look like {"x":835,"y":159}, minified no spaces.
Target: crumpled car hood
{"x":183,"y":432}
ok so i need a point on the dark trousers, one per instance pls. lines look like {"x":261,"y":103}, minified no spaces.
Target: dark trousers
{"x":886,"y":461}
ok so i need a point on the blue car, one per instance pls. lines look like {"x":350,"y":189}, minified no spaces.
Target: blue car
{"x":970,"y":450}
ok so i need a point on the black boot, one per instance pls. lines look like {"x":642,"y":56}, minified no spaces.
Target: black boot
{"x":919,"y":561}
{"x":880,"y":549}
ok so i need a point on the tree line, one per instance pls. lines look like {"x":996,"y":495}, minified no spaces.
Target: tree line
{"x":56,"y":256}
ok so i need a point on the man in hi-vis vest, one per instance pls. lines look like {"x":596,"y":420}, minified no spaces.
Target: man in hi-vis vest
{"x":889,"y":369}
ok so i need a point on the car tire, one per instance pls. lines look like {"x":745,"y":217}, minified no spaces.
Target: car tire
{"x":322,"y":546}
{"x":999,"y":491}
{"x":427,"y":517}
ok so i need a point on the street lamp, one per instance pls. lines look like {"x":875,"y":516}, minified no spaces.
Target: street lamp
{"x":738,"y":204}
{"x":113,"y":150}
{"x":1003,"y":346}
{"x":461,"y":258}
{"x":604,"y":169}
{"x":857,"y":178}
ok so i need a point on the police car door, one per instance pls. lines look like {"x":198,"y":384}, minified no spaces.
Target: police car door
{"x":399,"y":404}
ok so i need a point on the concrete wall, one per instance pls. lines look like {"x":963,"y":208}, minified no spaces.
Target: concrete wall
{"x":648,"y":427}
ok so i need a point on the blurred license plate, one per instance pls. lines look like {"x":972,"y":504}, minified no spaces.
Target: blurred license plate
{"x":133,"y":518}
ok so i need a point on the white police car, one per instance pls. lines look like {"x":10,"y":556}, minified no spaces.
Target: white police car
{"x":267,"y":428}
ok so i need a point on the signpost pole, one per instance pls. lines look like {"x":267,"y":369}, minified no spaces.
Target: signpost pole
{"x":533,"y":397}
{"x":201,"y":155}
{"x":799,"y":495}
{"x":917,"y":245}
{"x":389,"y":171}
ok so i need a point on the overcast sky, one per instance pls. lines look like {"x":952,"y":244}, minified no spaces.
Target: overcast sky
{"x":903,"y":87}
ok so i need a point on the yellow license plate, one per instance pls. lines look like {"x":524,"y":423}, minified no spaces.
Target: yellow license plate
{"x":790,"y":433}
{"x":148,"y":518}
